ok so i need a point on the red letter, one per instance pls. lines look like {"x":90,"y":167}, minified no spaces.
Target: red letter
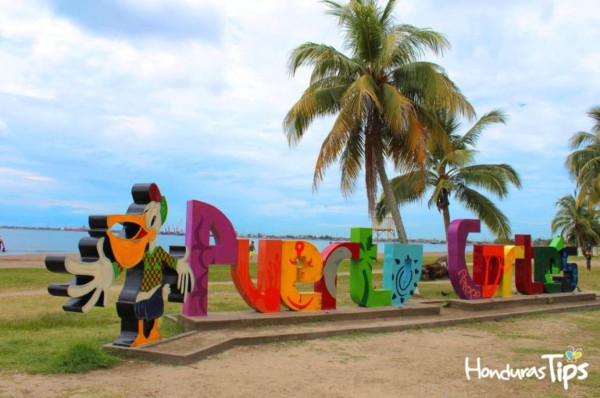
{"x":523,"y":268}
{"x":265,"y":297}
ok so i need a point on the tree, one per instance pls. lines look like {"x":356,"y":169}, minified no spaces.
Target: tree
{"x":584,"y":161}
{"x":451,"y":171}
{"x":576,"y":223}
{"x":378,"y":93}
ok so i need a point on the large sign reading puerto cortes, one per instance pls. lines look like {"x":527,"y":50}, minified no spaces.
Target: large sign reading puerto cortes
{"x":154,"y":275}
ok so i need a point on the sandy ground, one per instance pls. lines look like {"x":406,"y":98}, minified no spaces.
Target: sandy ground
{"x":22,"y":261}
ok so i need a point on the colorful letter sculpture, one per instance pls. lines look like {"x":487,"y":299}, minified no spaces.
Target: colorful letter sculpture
{"x":511,"y":253}
{"x":333,"y":255}
{"x":488,"y":268}
{"x":523,"y":268}
{"x":547,"y":262}
{"x":202,"y":221}
{"x":402,"y":266}
{"x":361,"y":272}
{"x":550,"y":261}
{"x":301,"y":263}
{"x":492,"y":265}
{"x":151,"y":272}
{"x":571,"y":277}
{"x":459,"y":275}
{"x":266,"y":296}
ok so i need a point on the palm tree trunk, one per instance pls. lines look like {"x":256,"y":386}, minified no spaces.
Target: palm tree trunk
{"x":446,"y":214}
{"x":390,"y":202}
{"x":579,"y":242}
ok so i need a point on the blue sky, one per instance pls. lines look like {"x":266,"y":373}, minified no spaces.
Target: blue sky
{"x":98,"y":95}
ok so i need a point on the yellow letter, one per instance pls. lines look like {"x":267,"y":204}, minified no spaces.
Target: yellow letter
{"x":300,"y":262}
{"x":510,"y":254}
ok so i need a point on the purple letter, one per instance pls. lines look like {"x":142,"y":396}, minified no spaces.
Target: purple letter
{"x":202,"y":220}
{"x":457,"y":267}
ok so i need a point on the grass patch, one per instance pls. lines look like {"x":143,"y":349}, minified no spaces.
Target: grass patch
{"x":555,"y":395}
{"x":17,"y":279}
{"x":437,"y":290}
{"x":588,"y":322}
{"x":81,"y":356}
{"x":348,"y":336}
{"x":37,"y":335}
{"x":532,"y":351}
{"x":506,"y":326}
{"x":589,"y":280}
{"x":14,"y":279}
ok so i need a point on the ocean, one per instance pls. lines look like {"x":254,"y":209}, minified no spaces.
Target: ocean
{"x":27,"y":241}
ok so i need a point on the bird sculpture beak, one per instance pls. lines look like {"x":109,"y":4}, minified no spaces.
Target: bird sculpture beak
{"x":129,"y":249}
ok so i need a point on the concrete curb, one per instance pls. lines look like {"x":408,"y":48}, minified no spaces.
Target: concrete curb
{"x":245,"y":319}
{"x":194,"y":346}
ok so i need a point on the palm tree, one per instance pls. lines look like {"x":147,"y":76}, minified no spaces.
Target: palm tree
{"x":584,"y":161}
{"x":451,"y":172}
{"x":378,"y":91}
{"x":576,"y":223}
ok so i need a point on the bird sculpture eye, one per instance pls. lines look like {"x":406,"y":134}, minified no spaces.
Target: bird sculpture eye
{"x":153,"y":221}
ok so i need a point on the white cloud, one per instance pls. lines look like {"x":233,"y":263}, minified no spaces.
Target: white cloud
{"x":11,"y":178}
{"x":142,"y":128}
{"x":101,"y":109}
{"x":76,"y":207}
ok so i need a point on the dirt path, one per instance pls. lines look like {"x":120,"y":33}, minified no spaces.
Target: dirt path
{"x":22,"y":260}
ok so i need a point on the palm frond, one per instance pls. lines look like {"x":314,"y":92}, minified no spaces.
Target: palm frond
{"x":317,"y":100}
{"x":385,"y":17}
{"x":397,"y":109}
{"x":470,"y":138}
{"x":351,"y":162}
{"x":456,"y":159}
{"x":325,"y":60}
{"x":584,"y":162}
{"x":428,"y":85}
{"x":412,"y":43}
{"x":492,"y":177}
{"x":485,"y":210}
{"x":582,"y":138}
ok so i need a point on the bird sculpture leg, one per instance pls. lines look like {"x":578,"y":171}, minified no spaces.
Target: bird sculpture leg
{"x":141,"y":339}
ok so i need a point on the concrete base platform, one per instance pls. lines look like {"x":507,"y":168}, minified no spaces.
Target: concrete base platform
{"x":222,"y":332}
{"x":521,"y":300}
{"x":246,"y":319}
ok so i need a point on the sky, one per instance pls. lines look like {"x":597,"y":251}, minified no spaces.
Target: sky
{"x":96,"y":96}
